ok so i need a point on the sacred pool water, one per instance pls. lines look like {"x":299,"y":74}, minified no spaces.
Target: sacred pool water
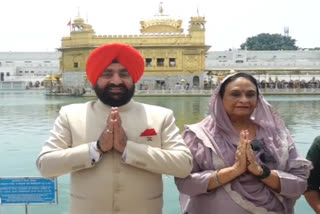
{"x":27,"y":116}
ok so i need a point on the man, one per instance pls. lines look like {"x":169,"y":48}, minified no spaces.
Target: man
{"x":313,"y":191}
{"x":115,"y":148}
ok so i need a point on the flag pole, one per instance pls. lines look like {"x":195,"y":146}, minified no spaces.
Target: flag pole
{"x":70,"y":24}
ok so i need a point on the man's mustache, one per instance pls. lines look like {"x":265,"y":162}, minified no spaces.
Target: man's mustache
{"x":111,"y":86}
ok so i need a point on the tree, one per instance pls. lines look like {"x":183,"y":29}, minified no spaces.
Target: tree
{"x":268,"y":42}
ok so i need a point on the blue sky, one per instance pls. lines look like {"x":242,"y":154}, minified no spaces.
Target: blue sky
{"x":38,"y":25}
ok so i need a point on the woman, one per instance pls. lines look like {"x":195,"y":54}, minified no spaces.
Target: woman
{"x":245,"y":160}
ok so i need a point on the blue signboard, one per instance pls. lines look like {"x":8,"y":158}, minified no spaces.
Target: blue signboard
{"x":28,"y":190}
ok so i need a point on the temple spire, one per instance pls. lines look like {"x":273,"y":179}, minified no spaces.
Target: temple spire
{"x":160,"y":8}
{"x":78,"y":11}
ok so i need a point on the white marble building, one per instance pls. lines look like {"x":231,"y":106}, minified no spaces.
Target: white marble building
{"x":19,"y":70}
{"x":265,"y":65}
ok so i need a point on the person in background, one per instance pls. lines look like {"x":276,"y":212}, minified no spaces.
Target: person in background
{"x":244,"y":159}
{"x":313,"y":191}
{"x":115,"y":148}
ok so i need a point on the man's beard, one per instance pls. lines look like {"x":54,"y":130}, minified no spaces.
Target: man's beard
{"x":114,"y":99}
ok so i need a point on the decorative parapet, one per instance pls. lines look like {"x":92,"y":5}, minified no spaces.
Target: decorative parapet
{"x":198,"y":19}
{"x":144,"y":35}
{"x":170,"y":22}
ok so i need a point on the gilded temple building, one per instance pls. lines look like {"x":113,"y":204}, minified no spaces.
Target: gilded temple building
{"x":172,"y":57}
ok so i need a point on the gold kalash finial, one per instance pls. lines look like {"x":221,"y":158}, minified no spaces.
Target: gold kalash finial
{"x":161,"y":8}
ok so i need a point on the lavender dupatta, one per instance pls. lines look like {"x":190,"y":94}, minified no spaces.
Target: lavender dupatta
{"x":217,"y":133}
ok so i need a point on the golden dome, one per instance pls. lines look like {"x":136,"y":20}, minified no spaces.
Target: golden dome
{"x":79,"y":25}
{"x":78,"y":21}
{"x":161,"y":23}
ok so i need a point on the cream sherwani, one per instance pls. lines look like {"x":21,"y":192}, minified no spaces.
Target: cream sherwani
{"x":113,"y":185}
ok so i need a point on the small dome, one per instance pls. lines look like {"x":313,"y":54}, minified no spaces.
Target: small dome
{"x":78,"y":20}
{"x":79,"y":25}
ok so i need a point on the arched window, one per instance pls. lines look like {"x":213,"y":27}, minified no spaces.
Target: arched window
{"x":196,"y":81}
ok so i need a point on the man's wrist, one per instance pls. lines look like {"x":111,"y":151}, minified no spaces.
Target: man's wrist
{"x":99,"y":148}
{"x":95,"y":154}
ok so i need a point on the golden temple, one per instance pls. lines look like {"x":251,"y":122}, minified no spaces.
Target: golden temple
{"x":171,"y":56}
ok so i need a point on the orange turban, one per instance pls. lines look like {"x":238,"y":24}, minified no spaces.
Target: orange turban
{"x":102,"y":57}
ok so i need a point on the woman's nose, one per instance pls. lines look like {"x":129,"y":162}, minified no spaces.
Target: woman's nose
{"x":243,"y":98}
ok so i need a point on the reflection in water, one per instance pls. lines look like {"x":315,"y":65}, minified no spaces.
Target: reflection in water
{"x":302,"y":118}
{"x":27,"y":116}
{"x":187,"y":110}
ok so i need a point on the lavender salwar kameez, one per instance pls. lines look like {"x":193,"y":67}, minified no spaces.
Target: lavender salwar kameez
{"x":213,"y":143}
